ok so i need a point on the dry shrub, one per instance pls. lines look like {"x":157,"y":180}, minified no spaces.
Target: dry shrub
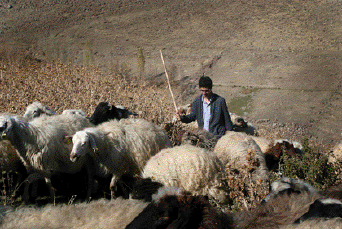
{"x":244,"y":192}
{"x":175,"y":131}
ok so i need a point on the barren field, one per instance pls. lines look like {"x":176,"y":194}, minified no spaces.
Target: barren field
{"x":277,"y":63}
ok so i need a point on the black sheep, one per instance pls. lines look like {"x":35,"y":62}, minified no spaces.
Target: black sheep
{"x":180,"y":211}
{"x":106,"y":111}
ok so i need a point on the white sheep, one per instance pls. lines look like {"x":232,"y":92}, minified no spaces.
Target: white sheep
{"x":41,"y":146}
{"x":288,"y":185}
{"x":97,"y":214}
{"x":200,"y":138}
{"x":194,"y":169}
{"x":240,"y":151}
{"x":37,"y":109}
{"x":74,"y":112}
{"x":121,"y":146}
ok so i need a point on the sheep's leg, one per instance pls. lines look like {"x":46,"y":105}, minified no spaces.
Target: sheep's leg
{"x":51,"y":189}
{"x":90,"y":168}
{"x":112,"y":186}
{"x":125,"y":185}
{"x":26,"y":195}
{"x":29,"y":180}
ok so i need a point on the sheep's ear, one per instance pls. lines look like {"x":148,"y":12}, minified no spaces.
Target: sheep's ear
{"x":110,"y":106}
{"x":3,"y":136}
{"x":93,"y":144}
{"x":68,"y":140}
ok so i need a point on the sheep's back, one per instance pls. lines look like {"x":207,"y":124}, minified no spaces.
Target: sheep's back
{"x":240,"y":151}
{"x":65,"y":123}
{"x":194,"y":169}
{"x":263,"y":143}
{"x":142,"y":138}
{"x":280,"y":211}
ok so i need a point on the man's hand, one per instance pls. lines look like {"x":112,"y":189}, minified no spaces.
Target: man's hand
{"x":178,"y":115}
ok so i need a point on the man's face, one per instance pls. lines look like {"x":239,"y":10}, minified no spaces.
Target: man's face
{"x":206,"y":92}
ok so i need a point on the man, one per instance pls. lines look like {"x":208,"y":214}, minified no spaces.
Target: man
{"x":209,"y":109}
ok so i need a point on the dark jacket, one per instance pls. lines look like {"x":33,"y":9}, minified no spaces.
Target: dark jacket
{"x":219,"y":121}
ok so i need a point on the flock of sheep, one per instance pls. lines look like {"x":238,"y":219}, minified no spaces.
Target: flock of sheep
{"x":152,"y":183}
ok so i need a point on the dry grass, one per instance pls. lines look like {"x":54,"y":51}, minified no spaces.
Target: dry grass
{"x":61,"y":86}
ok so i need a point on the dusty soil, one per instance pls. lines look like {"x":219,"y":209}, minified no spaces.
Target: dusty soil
{"x":277,"y":63}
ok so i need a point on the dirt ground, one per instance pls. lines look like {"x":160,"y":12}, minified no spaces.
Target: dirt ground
{"x":277,"y":63}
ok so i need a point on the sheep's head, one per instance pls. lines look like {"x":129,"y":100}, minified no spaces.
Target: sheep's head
{"x":144,"y":188}
{"x":103,"y":112}
{"x":274,"y":154}
{"x":323,"y":208}
{"x":83,"y":142}
{"x":122,"y":112}
{"x":6,"y":124}
{"x":37,"y":109}
{"x":106,"y":111}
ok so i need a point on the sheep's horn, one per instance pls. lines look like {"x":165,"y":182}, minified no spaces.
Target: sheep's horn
{"x":93,"y":143}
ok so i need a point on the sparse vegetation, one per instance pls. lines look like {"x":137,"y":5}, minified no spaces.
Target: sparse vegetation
{"x":312,"y":166}
{"x":9,"y":188}
{"x":241,"y":104}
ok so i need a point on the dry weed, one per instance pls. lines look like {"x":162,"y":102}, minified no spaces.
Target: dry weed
{"x":62,"y":86}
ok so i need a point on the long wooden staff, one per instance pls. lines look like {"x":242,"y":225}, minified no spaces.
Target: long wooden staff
{"x":168,"y":82}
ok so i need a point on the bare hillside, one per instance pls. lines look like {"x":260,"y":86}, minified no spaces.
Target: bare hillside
{"x":278,"y":63}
